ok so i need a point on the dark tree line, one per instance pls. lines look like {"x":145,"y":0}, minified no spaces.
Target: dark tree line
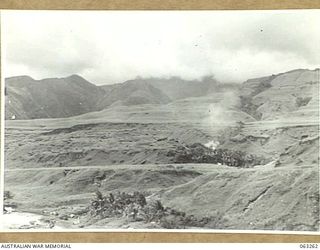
{"x":198,"y":153}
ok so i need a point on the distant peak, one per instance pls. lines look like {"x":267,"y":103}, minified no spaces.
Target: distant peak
{"x":75,"y":76}
{"x":22,"y":77}
{"x":296,"y":70}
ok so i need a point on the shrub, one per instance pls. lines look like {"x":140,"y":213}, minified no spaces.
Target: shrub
{"x":136,"y":207}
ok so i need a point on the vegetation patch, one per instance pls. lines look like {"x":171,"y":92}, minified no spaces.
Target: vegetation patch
{"x":136,"y":208}
{"x":198,"y":153}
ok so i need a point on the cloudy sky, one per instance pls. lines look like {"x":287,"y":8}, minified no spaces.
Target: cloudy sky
{"x":108,"y":47}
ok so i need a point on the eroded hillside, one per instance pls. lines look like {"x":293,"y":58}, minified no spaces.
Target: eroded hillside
{"x":294,"y":94}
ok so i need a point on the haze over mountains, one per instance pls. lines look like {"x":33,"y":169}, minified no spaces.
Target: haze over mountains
{"x":293,"y":92}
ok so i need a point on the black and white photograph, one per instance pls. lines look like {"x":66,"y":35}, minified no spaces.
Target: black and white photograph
{"x":201,"y":121}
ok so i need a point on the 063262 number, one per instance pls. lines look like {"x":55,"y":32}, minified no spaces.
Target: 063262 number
{"x":309,"y":246}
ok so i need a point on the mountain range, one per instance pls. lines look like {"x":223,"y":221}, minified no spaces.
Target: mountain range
{"x":265,"y":98}
{"x":27,"y":98}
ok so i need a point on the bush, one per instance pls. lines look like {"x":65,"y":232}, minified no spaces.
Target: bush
{"x":135,"y":207}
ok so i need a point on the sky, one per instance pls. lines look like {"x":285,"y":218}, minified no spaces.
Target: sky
{"x":108,"y":47}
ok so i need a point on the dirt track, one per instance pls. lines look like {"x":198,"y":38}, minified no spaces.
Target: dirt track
{"x":191,"y":166}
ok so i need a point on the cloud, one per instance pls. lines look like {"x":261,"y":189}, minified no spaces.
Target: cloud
{"x":113,"y":46}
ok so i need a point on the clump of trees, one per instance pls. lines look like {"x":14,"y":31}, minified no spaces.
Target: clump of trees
{"x":198,"y":153}
{"x":135,"y":207}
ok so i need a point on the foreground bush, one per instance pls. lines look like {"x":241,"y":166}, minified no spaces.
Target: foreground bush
{"x":136,"y":207}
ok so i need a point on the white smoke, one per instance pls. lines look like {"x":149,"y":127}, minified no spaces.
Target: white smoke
{"x":224,"y":111}
{"x":212,"y":144}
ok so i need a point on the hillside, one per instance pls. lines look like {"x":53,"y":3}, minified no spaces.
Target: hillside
{"x":27,"y":98}
{"x":177,"y":88}
{"x":288,"y":95}
{"x":133,"y":92}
